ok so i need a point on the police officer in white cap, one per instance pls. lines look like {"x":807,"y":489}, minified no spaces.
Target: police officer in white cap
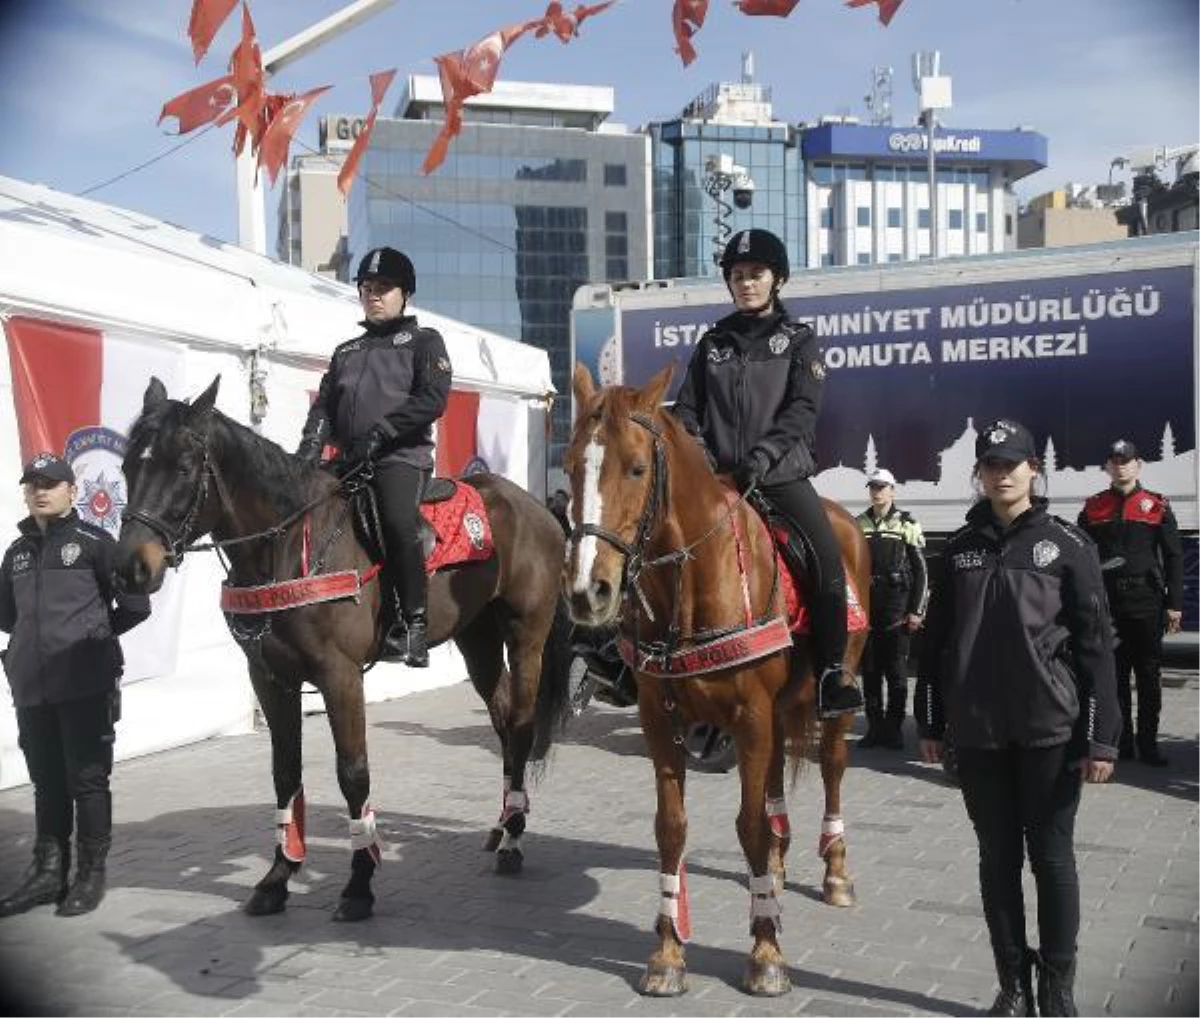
{"x":378,"y":402}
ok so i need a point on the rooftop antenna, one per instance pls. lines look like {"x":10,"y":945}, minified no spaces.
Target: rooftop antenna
{"x":747,"y":67}
{"x":879,"y":99}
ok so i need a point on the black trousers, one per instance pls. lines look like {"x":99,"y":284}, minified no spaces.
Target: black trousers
{"x":399,"y":487}
{"x":1019,"y":799}
{"x":68,"y":749}
{"x":826,"y":593}
{"x":886,"y":659}
{"x":1139,"y":649}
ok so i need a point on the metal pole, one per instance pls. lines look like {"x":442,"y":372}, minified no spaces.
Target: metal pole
{"x":930,"y":117}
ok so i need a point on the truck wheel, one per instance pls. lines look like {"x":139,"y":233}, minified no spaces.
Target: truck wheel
{"x":710,"y":749}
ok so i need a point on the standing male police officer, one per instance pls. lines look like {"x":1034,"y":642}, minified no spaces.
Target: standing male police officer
{"x":64,"y":663}
{"x":378,"y":402}
{"x":899,"y":592}
{"x":1136,"y":533}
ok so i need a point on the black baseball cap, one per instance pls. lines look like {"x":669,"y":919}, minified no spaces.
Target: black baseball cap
{"x":48,"y":466}
{"x":1005,"y":439}
{"x":1123,"y":449}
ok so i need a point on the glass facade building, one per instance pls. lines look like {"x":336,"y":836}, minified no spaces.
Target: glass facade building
{"x":532,"y":201}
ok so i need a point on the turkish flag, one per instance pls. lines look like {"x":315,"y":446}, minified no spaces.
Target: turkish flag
{"x":379,"y":85}
{"x":779,"y":8}
{"x":246,"y":67}
{"x":564,"y":25}
{"x":469,"y":72}
{"x":483,"y":432}
{"x":887,"y":8}
{"x":687,"y":18}
{"x":207,"y":18}
{"x":277,"y":138}
{"x":202,"y":105}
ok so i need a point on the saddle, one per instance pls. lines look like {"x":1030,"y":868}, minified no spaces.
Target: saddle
{"x":454,"y":524}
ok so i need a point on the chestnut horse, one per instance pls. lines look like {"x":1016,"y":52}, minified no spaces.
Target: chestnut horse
{"x":193,"y":471}
{"x":661,"y":546}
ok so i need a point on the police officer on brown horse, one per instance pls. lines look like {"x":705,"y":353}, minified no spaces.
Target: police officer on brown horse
{"x":377,"y":403}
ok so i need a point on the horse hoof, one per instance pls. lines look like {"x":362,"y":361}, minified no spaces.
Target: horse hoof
{"x":353,"y":910}
{"x":839,"y":892}
{"x":663,"y":981}
{"x":492,"y":841}
{"x":766,"y":979}
{"x":509,"y":862}
{"x":266,"y":901}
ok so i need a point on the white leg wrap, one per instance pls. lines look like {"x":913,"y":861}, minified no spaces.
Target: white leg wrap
{"x":509,"y":843}
{"x":833,"y":829}
{"x":289,"y":828}
{"x":515,"y":802}
{"x":363,"y":834}
{"x":763,"y":903}
{"x":673,"y":902}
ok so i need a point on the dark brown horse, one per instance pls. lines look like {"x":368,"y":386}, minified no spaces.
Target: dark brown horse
{"x":192,"y":471}
{"x":661,"y":546}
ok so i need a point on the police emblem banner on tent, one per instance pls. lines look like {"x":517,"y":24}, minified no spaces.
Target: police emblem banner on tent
{"x":75,"y":392}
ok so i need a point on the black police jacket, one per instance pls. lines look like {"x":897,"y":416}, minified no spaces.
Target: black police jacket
{"x":58,"y":601}
{"x":393,"y":380}
{"x":1018,"y":641}
{"x":754,"y":385}
{"x":1139,"y":528}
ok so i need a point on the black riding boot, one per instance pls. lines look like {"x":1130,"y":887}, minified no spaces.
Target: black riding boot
{"x":872,"y":736}
{"x":87,"y":889}
{"x":1056,"y":985}
{"x":44,"y":883}
{"x":1125,"y":744}
{"x":1014,"y":969}
{"x":837,"y":693}
{"x":1148,"y":751}
{"x":893,"y":732}
{"x":395,"y":643}
{"x":417,"y":625}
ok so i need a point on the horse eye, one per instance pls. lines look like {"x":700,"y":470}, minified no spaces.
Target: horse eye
{"x":637,"y":470}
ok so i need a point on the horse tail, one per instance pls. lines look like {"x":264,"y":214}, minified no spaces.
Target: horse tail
{"x":802,"y":728}
{"x":553,"y":695}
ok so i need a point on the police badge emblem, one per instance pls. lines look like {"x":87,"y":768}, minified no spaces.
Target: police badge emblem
{"x":817,"y":370}
{"x":70,"y":553}
{"x":1145,"y":505}
{"x":779,"y":342}
{"x":473,"y":525}
{"x":1045,"y":552}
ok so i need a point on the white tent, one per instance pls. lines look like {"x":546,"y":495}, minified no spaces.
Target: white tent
{"x":188,"y":307}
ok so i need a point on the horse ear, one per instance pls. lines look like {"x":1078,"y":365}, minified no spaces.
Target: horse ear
{"x":652,"y":395}
{"x":204,"y":403}
{"x":584,"y":387}
{"x":156,"y":393}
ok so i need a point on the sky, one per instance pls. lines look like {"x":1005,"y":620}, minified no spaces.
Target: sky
{"x":82,"y":82}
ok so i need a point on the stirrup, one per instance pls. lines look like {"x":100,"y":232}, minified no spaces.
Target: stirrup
{"x":843,"y":698}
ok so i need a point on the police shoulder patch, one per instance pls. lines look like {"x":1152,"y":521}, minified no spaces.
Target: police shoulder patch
{"x":817,"y":369}
{"x":443,"y":364}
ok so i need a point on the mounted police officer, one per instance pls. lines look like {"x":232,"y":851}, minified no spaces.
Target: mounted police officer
{"x":1138,"y":540}
{"x":64,"y":664}
{"x":751,"y":396}
{"x":377,"y":402}
{"x":899,"y":590}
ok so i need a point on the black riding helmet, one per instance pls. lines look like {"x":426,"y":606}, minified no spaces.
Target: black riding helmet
{"x":390,"y":264}
{"x":760,"y":246}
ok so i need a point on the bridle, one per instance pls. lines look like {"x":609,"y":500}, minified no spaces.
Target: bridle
{"x":175,"y":539}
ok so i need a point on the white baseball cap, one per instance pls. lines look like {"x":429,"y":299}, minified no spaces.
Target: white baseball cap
{"x":881,"y":476}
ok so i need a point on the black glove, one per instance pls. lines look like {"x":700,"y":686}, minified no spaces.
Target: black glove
{"x":367,"y":449}
{"x":750,"y":472}
{"x":309,"y":450}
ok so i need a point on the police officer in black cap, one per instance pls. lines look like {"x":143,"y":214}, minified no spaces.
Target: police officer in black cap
{"x":378,"y":402}
{"x":751,"y":395}
{"x":1138,"y":539}
{"x":64,"y":663}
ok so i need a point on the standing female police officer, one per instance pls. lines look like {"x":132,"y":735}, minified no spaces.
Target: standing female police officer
{"x":1017,"y":659}
{"x":63,"y":663}
{"x":751,"y":394}
{"x":378,"y":402}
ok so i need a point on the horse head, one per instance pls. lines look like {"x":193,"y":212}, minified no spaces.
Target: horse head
{"x":617,"y":466}
{"x":167,"y":472}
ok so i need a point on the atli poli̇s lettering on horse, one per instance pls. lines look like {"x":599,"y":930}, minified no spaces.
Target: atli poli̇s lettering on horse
{"x":663,"y":548}
{"x":193,"y":471}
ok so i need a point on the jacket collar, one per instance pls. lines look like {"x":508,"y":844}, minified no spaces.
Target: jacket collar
{"x":29,"y":527}
{"x":984,"y":520}
{"x":390,"y":327}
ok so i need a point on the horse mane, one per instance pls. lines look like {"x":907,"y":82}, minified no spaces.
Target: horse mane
{"x":276,"y":474}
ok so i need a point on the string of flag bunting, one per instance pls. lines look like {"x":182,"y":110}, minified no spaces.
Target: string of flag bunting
{"x":268,"y":121}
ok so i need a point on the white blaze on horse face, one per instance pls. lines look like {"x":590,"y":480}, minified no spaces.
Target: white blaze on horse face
{"x":590,"y":511}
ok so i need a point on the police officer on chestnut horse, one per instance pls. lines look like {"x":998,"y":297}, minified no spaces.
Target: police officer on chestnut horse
{"x":377,"y":403}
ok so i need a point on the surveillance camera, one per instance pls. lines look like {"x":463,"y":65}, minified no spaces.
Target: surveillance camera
{"x":743,"y":194}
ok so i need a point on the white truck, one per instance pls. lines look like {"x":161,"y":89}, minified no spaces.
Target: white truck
{"x":1083,"y":344}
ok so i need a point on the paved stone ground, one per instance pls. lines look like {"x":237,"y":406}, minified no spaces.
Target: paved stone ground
{"x":570,"y":935}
